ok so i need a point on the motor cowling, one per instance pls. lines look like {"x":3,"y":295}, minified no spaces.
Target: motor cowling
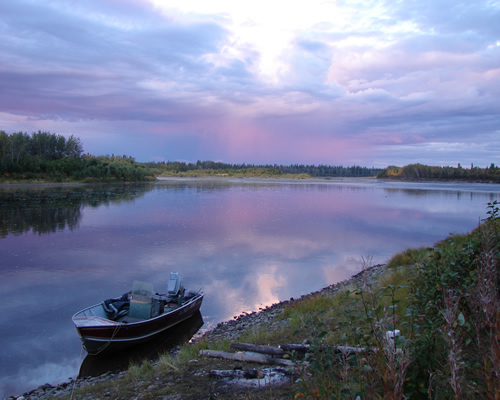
{"x":174,"y":284}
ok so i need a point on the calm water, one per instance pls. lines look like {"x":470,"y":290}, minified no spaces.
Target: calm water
{"x":248,"y":244}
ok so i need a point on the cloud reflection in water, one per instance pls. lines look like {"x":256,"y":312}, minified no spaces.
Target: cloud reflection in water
{"x":246,"y":245}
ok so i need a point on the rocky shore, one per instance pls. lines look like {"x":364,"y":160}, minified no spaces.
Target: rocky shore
{"x":228,"y":330}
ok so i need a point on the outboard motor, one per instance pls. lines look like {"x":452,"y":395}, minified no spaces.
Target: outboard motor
{"x":174,"y":285}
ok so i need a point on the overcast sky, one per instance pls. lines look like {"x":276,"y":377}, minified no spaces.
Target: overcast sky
{"x":366,"y":82}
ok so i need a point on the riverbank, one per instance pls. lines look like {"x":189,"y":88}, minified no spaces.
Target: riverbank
{"x":269,"y":318}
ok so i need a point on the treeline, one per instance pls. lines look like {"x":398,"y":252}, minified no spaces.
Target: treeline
{"x":426,"y":172}
{"x":47,"y":156}
{"x":176,"y":167}
{"x":17,"y":148}
{"x":329,"y":170}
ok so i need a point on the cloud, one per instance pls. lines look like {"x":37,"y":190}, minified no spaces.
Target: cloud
{"x":281,"y":82}
{"x":86,"y":67}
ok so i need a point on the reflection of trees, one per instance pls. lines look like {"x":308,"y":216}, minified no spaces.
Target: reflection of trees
{"x":199,"y":186}
{"x":48,"y":210}
{"x":451,"y":194}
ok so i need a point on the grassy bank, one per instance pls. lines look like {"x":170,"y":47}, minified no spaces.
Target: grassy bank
{"x":444,"y":300}
{"x":243,"y":173}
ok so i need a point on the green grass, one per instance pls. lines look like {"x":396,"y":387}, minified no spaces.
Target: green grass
{"x":249,"y":173}
{"x":409,"y":257}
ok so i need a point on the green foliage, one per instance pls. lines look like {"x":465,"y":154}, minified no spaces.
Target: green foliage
{"x":140,"y":372}
{"x":113,"y":168}
{"x":275,"y":170}
{"x":167,"y":364}
{"x":47,"y":156}
{"x":456,"y":324}
{"x":421,"y":172}
{"x":20,"y":148}
{"x":409,"y":257}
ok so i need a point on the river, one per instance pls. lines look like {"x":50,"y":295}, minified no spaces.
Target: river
{"x":247,"y":243}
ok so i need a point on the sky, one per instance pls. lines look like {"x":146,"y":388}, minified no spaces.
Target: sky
{"x":362,"y":82}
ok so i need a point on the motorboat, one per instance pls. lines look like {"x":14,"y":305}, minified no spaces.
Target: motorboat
{"x":136,"y":316}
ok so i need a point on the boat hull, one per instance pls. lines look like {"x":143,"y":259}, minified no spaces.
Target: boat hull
{"x":102,"y":335}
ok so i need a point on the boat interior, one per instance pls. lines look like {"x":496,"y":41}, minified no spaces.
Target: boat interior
{"x":140,"y":304}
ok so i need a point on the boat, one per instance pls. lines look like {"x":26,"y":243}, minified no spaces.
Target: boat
{"x":135,"y":317}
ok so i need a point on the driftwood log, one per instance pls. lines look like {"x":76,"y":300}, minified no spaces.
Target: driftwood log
{"x":246,"y":357}
{"x":284,"y":350}
{"x":270,"y":350}
{"x":271,"y":355}
{"x":304,"y":348}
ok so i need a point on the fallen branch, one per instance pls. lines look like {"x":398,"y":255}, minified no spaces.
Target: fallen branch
{"x":264,"y":354}
{"x":304,"y":348}
{"x":270,"y":350}
{"x":246,"y":357}
{"x":299,"y":348}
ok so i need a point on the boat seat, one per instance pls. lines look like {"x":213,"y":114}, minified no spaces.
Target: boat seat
{"x":140,"y":301}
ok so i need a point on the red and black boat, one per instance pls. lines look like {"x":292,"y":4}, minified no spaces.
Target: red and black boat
{"x":135,"y":317}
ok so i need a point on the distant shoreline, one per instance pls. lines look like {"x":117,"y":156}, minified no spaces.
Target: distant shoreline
{"x":186,"y":179}
{"x":252,"y":179}
{"x":238,"y":179}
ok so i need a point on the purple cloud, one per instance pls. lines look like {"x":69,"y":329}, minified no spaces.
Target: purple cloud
{"x":373,"y":83}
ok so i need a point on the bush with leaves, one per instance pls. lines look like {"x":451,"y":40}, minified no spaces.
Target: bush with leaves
{"x":455,"y":297}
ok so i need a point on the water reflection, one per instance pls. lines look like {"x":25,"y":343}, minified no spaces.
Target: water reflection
{"x":245,"y":244}
{"x":150,"y":350}
{"x":451,"y":193}
{"x":43,"y":210}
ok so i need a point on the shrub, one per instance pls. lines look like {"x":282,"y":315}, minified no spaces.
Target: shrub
{"x":454,"y":293}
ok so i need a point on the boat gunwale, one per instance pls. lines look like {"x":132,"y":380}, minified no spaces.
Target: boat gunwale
{"x":113,"y":324}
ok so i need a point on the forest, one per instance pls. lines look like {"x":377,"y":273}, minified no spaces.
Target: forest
{"x":50,"y":157}
{"x":271,"y":170}
{"x":426,"y":172}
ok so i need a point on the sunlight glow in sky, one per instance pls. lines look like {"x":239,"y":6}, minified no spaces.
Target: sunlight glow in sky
{"x":367,"y":82}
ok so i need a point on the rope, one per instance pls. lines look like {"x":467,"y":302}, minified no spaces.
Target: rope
{"x":74,"y":381}
{"x":117,"y":328}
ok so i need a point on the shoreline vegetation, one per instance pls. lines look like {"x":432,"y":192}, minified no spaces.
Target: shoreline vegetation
{"x":43,"y":157}
{"x":420,"y":172}
{"x":424,"y":326}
